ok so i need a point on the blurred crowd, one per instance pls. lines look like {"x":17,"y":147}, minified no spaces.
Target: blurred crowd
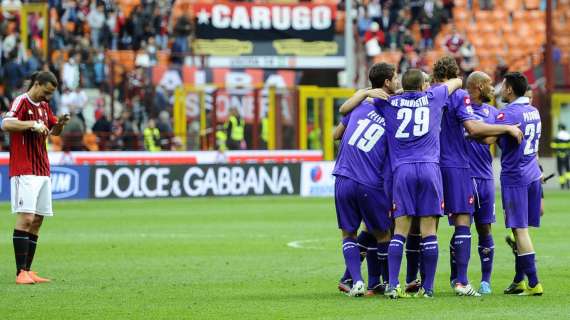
{"x":81,"y":31}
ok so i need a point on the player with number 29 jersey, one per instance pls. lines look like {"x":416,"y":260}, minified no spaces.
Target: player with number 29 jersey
{"x":413,"y":121}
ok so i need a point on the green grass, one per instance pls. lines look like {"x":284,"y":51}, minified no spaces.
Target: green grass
{"x":227,"y":258}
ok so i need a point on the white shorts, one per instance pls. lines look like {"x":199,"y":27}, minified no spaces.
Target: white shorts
{"x":31,"y":194}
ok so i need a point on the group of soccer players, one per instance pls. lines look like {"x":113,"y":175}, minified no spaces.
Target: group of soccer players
{"x":409,"y":155}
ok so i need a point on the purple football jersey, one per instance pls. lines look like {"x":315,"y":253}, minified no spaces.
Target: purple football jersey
{"x":362,"y":150}
{"x":480,"y":157}
{"x":454,"y":145}
{"x":413,"y":121}
{"x":518,"y":161}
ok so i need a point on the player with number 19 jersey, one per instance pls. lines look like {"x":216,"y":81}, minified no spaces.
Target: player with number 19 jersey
{"x":413,"y":121}
{"x":361,"y":168}
{"x":520,"y":172}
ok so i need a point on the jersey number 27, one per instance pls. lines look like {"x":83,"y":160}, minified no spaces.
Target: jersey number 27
{"x":532,"y":134}
{"x":366,"y":141}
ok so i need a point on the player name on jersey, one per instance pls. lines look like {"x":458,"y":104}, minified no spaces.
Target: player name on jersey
{"x":531,"y":116}
{"x":417,"y":103}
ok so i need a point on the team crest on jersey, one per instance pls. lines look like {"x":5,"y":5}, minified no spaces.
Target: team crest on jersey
{"x":501,"y":116}
{"x":471,"y":200}
{"x":467,"y":100}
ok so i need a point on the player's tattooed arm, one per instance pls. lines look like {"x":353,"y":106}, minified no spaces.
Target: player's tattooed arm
{"x":360,"y":96}
{"x":338,"y":131}
{"x":61,"y":122}
{"x":15,"y":125}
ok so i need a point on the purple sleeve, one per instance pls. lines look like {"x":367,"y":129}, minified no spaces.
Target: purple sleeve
{"x":346,"y":118}
{"x":464,"y":110}
{"x":506,"y":117}
{"x":439,"y":94}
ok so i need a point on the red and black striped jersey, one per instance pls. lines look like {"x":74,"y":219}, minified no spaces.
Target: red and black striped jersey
{"x":28,"y":151}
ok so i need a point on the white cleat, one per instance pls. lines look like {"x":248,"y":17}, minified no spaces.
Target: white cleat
{"x":358,"y":289}
{"x":465,"y":290}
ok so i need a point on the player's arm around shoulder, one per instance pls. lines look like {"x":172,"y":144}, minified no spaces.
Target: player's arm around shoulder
{"x":360,"y":96}
{"x":453,"y":84}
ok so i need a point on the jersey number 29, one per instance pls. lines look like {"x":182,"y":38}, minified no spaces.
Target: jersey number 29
{"x":532,"y":134}
{"x":421,"y":122}
{"x":366,"y":141}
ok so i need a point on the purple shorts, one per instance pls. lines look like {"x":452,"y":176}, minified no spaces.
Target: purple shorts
{"x":522,"y":205}
{"x":356,"y":202}
{"x":484,"y":190}
{"x":457,"y":190}
{"x":418,"y":190}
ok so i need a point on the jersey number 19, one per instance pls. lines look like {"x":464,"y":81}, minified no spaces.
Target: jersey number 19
{"x":366,"y":141}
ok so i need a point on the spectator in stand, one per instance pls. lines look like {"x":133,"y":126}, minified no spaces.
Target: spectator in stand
{"x":416,"y":8}
{"x":13,"y":75}
{"x":102,"y":129}
{"x":72,"y":134}
{"x":448,"y":8}
{"x":114,"y":24}
{"x":385,"y":20}
{"x":73,"y":101}
{"x":374,"y":9}
{"x":393,"y":37}
{"x":99,"y":70}
{"x":364,"y":22}
{"x":373,"y":40}
{"x":453,"y":44}
{"x":70,"y":72}
{"x":469,"y":60}
{"x":160,"y":25}
{"x":164,"y":125}
{"x":422,"y":62}
{"x":96,"y":20}
{"x":426,"y":32}
{"x":182,"y":32}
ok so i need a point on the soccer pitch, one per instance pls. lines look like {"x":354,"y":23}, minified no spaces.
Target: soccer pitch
{"x":246,"y":258}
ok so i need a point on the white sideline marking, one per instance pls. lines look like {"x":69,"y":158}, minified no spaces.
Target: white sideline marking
{"x":302,"y":244}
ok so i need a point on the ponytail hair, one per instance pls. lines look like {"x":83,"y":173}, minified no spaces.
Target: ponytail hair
{"x":42,"y":77}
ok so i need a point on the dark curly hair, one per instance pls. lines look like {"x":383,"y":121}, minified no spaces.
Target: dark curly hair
{"x":445,"y":68}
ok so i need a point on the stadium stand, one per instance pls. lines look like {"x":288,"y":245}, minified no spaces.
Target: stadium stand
{"x":112,"y":44}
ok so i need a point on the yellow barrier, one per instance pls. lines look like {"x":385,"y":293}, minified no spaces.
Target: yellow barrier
{"x":326,"y":97}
